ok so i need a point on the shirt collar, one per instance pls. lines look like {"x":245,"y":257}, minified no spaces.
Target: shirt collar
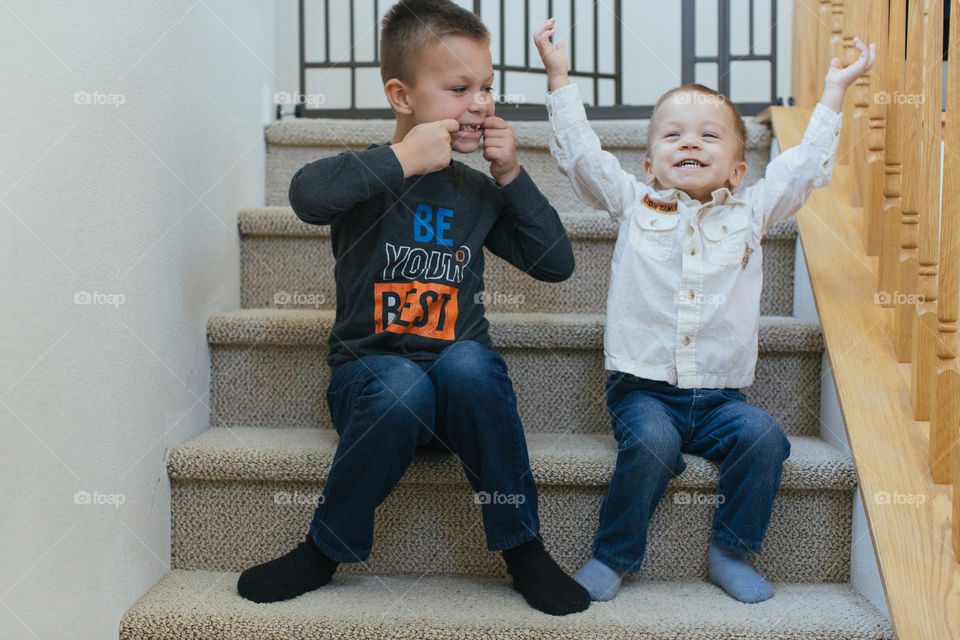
{"x":723,"y":195}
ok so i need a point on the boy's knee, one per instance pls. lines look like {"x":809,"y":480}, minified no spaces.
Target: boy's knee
{"x":654,"y":441}
{"x":762,"y":437}
{"x":467,"y":363}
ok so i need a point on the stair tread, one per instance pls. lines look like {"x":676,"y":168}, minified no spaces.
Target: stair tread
{"x":580,"y":225}
{"x":206,"y":604}
{"x":305,"y":454}
{"x":618,"y":134}
{"x":306,"y":327}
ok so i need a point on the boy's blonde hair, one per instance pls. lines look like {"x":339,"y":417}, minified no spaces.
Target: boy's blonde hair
{"x":740,"y":129}
{"x":411,"y":25}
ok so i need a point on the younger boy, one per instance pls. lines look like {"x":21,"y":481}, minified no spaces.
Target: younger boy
{"x":683,"y":309}
{"x":410,"y":352}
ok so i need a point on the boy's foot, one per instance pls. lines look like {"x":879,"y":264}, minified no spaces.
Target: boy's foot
{"x":729,"y":569}
{"x":303,"y":569}
{"x":599,"y":580}
{"x":542,"y":582}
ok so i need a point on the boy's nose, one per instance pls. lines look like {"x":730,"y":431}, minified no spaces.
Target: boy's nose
{"x":481,"y":103}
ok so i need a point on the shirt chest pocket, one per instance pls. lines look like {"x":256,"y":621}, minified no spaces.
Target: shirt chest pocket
{"x":725,"y":238}
{"x":652,"y":233}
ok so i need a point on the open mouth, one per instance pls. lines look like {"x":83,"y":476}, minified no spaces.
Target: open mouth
{"x":470,"y":131}
{"x":690,"y":164}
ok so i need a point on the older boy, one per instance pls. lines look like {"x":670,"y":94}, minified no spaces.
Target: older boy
{"x":683,"y":309}
{"x":410,"y":352}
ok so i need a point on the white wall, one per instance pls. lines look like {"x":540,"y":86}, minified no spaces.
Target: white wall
{"x":864,"y":574}
{"x":651,"y":48}
{"x":135,"y":197}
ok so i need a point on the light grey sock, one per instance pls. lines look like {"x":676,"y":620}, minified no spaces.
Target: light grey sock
{"x":599,"y":580}
{"x":729,"y":569}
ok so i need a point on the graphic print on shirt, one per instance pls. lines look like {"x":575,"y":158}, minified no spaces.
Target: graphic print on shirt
{"x":662,"y":207}
{"x":425,"y":301}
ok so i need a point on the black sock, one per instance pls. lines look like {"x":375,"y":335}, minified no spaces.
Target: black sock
{"x":303,"y":569}
{"x":542,"y":582}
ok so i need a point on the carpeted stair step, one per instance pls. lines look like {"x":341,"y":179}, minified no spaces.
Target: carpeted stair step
{"x":292,"y":143}
{"x":268,"y":369}
{"x":287,"y":263}
{"x":244,"y":495}
{"x":205,"y":604}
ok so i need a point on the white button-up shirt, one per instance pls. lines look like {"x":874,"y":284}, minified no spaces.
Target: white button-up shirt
{"x":683,"y":304}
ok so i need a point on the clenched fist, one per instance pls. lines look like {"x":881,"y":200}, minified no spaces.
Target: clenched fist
{"x":500,"y":149}
{"x":426,"y":147}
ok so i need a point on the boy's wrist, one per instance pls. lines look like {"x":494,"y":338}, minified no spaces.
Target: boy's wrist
{"x":406,"y":159}
{"x":508,"y":177}
{"x":557,"y":81}
{"x":833,"y":97}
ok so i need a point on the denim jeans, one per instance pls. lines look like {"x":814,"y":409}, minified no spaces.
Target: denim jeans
{"x":386,"y":406}
{"x":654,"y":423}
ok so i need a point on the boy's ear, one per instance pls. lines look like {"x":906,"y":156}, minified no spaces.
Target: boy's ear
{"x":648,"y":169}
{"x":398,"y":96}
{"x":739,"y":172}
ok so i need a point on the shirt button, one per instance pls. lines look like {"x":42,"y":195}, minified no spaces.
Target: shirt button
{"x":686,"y":339}
{"x":691,"y":294}
{"x":690,"y":230}
{"x":693,"y":252}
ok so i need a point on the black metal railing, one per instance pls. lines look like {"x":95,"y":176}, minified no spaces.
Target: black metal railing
{"x":593,"y":74}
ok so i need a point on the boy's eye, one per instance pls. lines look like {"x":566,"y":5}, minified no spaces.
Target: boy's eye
{"x":712,"y":135}
{"x":672,"y":133}
{"x":458,"y":89}
{"x":488,"y":89}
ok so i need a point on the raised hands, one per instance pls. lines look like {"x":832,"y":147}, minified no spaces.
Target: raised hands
{"x":838,"y":77}
{"x":554,"y":57}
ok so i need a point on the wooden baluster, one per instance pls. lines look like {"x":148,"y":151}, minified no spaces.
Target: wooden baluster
{"x":803,"y":72}
{"x":925,"y":316}
{"x":837,"y":50}
{"x":892,"y":82}
{"x":850,"y":136}
{"x":945,"y":410}
{"x":910,"y":200}
{"x":824,"y":51}
{"x":875,"y":30}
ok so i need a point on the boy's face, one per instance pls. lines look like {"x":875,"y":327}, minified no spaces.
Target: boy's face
{"x":455,"y":81}
{"x":694,"y":147}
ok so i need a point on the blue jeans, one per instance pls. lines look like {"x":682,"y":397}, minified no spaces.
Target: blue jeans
{"x":386,"y":406}
{"x":654,"y":423}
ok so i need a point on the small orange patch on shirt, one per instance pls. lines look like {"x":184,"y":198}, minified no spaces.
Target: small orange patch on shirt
{"x":662,"y":207}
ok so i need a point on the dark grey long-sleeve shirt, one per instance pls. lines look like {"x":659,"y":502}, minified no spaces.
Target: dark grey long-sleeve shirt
{"x":409,"y":258}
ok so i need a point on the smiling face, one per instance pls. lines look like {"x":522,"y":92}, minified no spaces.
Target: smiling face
{"x":694,"y":146}
{"x":454,"y":81}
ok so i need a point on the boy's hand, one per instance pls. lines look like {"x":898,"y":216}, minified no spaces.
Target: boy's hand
{"x":839,"y":78}
{"x":500,"y":148}
{"x":554,"y":57}
{"x":426,"y":147}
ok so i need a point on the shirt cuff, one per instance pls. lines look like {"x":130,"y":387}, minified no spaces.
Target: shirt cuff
{"x":522,"y":193}
{"x":565,"y":107}
{"x":823,"y":130}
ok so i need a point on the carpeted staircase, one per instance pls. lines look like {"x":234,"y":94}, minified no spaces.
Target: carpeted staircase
{"x":244,"y":491}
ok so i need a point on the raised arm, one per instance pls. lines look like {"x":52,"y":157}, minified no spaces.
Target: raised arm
{"x":794,"y":174}
{"x":596,"y":175}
